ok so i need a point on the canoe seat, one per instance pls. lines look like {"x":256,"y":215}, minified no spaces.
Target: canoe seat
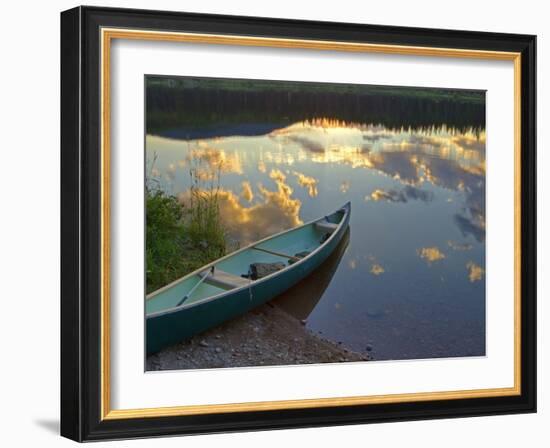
{"x":224,"y":280}
{"x":326,"y":226}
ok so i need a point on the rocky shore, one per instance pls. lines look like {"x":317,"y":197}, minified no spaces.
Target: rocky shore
{"x":266,"y":336}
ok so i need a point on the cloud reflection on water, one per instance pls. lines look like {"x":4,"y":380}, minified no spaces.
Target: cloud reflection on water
{"x":430,"y":254}
{"x":475,"y":272}
{"x":212,"y":160}
{"x":246,"y":192}
{"x":404,"y":195}
{"x":308,"y":182}
{"x":412,"y":160}
{"x":419,"y":247}
{"x":275,"y":210}
{"x":442,"y":158}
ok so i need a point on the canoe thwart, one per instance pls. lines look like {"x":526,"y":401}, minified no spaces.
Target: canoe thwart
{"x":224,"y":280}
{"x":326,"y":226}
{"x":278,"y":254}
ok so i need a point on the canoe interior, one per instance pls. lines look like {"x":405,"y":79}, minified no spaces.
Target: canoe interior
{"x":304,"y":238}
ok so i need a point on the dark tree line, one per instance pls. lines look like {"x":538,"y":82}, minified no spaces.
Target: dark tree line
{"x":169,"y":108}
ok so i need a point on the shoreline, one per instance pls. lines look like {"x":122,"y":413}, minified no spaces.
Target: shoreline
{"x":265,"y":336}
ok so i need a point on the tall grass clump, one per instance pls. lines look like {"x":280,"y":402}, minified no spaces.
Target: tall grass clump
{"x":181,"y":236}
{"x":203,"y":213}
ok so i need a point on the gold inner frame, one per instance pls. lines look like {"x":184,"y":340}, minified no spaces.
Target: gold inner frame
{"x":107,"y":35}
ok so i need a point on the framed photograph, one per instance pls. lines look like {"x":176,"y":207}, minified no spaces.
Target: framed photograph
{"x":275,"y":224}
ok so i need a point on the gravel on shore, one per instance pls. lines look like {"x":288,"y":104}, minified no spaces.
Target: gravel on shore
{"x":266,"y":336}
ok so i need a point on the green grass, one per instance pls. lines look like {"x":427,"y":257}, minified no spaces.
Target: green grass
{"x":181,"y":238}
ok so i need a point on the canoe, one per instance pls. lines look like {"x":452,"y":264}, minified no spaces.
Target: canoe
{"x":219,"y":291}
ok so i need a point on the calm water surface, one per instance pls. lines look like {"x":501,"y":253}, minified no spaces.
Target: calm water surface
{"x":410,"y":280}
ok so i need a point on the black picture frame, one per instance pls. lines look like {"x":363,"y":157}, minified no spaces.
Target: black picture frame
{"x":81,"y":224}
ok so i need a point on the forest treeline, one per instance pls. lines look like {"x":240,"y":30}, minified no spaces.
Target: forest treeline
{"x":202,"y":103}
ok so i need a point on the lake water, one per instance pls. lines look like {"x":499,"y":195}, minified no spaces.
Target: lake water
{"x":410,"y":281}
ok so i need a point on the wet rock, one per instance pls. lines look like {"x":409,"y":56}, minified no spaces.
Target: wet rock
{"x":218,"y":350}
{"x":303,"y":321}
{"x":203,"y":343}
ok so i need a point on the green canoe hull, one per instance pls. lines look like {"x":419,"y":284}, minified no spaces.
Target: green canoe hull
{"x":167,"y":328}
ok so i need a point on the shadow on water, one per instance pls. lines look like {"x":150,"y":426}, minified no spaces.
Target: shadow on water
{"x":301,"y":299}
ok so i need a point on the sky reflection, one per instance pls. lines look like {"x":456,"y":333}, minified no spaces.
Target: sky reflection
{"x":417,"y":248}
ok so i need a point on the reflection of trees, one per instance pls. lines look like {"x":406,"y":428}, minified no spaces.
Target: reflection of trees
{"x":231,"y":107}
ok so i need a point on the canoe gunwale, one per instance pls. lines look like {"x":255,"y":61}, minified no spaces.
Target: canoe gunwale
{"x":346,"y":208}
